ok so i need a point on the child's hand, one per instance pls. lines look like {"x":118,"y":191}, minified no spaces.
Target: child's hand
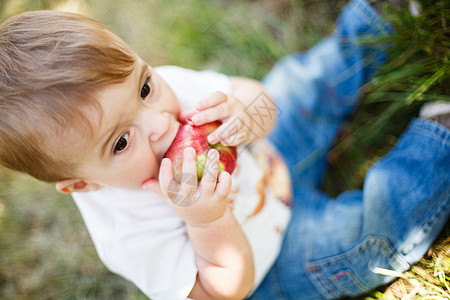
{"x":236,"y":125}
{"x":196,"y":203}
{"x":221,"y":247}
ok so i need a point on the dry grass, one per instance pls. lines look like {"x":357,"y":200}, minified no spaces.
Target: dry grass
{"x":428,"y":279}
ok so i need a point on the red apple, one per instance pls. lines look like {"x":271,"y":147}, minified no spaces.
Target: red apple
{"x":189,"y":135}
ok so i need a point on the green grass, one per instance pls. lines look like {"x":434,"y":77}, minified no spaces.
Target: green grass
{"x":45,"y":250}
{"x":417,"y":72}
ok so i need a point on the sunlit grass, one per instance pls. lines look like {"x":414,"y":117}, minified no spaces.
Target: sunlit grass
{"x":417,"y":72}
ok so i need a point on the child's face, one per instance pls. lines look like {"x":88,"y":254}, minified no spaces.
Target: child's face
{"x":138,"y":125}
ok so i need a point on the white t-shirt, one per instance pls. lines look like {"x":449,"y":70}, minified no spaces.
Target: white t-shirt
{"x":139,"y":237}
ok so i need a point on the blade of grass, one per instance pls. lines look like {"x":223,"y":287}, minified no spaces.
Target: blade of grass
{"x":426,"y":85}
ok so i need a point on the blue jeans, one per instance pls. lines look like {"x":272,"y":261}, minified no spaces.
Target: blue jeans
{"x":333,"y":247}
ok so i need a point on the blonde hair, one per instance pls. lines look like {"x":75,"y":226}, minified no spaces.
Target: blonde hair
{"x":51,"y":63}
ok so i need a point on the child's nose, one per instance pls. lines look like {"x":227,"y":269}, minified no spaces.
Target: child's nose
{"x":156,"y":123}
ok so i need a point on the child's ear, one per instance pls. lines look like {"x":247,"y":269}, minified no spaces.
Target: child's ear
{"x":68,"y":186}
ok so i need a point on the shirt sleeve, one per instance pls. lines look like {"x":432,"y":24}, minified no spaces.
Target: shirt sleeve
{"x":190,"y":86}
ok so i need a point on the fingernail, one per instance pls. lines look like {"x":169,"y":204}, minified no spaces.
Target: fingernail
{"x":212,"y":153}
{"x":212,"y":139}
{"x":189,"y":151}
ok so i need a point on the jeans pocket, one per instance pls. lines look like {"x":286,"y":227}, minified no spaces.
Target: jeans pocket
{"x":352,"y":273}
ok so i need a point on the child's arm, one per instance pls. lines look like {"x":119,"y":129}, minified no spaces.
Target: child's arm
{"x":223,"y":255}
{"x":224,"y":260}
{"x":247,"y":113}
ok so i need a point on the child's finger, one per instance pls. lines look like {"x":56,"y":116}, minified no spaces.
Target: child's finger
{"x":224,"y":185}
{"x":226,"y":131}
{"x":209,"y":179}
{"x":218,"y":112}
{"x":166,"y":177}
{"x":189,"y":172}
{"x":211,"y":100}
{"x":184,"y":115}
{"x":237,"y":139}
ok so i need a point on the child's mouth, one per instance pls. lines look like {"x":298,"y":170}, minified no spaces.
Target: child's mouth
{"x":173,"y":130}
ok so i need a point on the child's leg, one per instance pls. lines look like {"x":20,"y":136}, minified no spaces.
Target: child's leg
{"x":315,"y":90}
{"x":334,"y":247}
{"x":337,"y":247}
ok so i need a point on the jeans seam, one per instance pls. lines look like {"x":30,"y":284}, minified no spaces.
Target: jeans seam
{"x":355,"y":281}
{"x":370,"y":16}
{"x":430,"y":127}
{"x":409,"y":246}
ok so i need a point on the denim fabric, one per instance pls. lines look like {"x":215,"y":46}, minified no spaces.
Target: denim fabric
{"x":332,"y":247}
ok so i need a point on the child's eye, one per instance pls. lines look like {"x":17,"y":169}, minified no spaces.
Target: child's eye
{"x":121,"y":143}
{"x":146,"y":89}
